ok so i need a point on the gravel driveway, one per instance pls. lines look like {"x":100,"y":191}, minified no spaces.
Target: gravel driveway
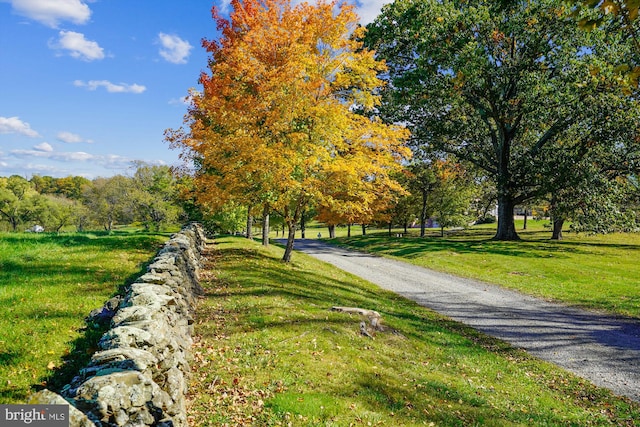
{"x":602,"y":349}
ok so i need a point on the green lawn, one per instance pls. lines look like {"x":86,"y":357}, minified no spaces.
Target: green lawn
{"x":596,"y":271}
{"x":48,"y":284}
{"x":270,"y":352}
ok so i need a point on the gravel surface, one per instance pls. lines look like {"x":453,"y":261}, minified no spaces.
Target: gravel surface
{"x":600,"y":348}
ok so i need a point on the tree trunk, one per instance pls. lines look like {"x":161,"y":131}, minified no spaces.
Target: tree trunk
{"x":406,"y":226}
{"x":288,"y":250}
{"x":303,"y":227}
{"x":524,"y":227}
{"x":293,"y":216}
{"x":348,"y":230}
{"x":423,"y":214}
{"x":557,"y":229}
{"x":364,"y":229}
{"x":249,"y":223}
{"x":332,"y":231}
{"x":441,"y":231}
{"x":506,"y":224}
{"x":265,"y":226}
{"x":390,"y":228}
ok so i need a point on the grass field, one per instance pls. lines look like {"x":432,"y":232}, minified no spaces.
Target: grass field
{"x":595,"y":271}
{"x":270,"y":352}
{"x":48,"y":284}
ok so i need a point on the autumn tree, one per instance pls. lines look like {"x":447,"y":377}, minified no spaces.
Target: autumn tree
{"x":354,"y":196}
{"x":508,"y":86}
{"x":276,"y":118}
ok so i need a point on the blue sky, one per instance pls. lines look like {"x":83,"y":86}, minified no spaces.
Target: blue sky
{"x":89,"y":86}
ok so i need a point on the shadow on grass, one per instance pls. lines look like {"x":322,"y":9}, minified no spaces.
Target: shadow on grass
{"x":317,"y":292}
{"x":291,"y":281}
{"x":256,"y":294}
{"x":533,"y":244}
{"x":83,"y":347}
{"x":119,"y":240}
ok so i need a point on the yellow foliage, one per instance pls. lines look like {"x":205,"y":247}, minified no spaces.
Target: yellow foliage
{"x":275,"y":121}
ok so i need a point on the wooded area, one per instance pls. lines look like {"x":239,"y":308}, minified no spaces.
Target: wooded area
{"x":150,"y":197}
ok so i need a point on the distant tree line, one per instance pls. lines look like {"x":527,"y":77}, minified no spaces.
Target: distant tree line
{"x":149,"y":197}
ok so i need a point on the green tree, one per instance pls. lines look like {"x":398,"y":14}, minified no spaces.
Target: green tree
{"x":154,"y":195}
{"x":109,"y":201}
{"x":599,"y":200}
{"x":17,"y":201}
{"x":55,"y":212}
{"x":450,"y":197}
{"x":71,"y":187}
{"x":506,"y":86}
{"x":484,"y":199}
{"x":620,"y":16}
{"x":44,"y":184}
{"x":421,"y":183}
{"x":230,"y":218}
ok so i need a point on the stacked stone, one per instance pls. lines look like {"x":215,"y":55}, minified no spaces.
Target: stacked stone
{"x":138,"y":378}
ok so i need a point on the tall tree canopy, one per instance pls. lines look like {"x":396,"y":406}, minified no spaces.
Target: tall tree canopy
{"x":619,"y":16}
{"x":276,"y":123}
{"x":513,"y":87}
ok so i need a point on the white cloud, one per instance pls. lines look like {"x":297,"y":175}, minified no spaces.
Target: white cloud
{"x":40,"y":160}
{"x":15,"y":125}
{"x":183,"y":100}
{"x":78,"y":46}
{"x":225,"y":7}
{"x":110,"y":87}
{"x":174,"y":49}
{"x":61,"y":155}
{"x":368,"y":10}
{"x":45,"y":146}
{"x":43,"y":151}
{"x":72,"y":138}
{"x":52,"y":12}
{"x":74,"y":155}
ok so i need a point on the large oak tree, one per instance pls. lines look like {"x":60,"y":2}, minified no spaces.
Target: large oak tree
{"x":513,"y":87}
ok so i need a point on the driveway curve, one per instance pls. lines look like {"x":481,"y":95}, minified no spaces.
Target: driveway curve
{"x":602,"y":349}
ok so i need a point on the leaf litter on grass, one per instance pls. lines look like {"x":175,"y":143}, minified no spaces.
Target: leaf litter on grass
{"x":269,"y":352}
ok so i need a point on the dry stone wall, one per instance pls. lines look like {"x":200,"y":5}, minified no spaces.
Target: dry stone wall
{"x":139,"y":375}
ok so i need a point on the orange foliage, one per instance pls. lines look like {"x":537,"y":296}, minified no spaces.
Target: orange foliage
{"x":275,"y":124}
